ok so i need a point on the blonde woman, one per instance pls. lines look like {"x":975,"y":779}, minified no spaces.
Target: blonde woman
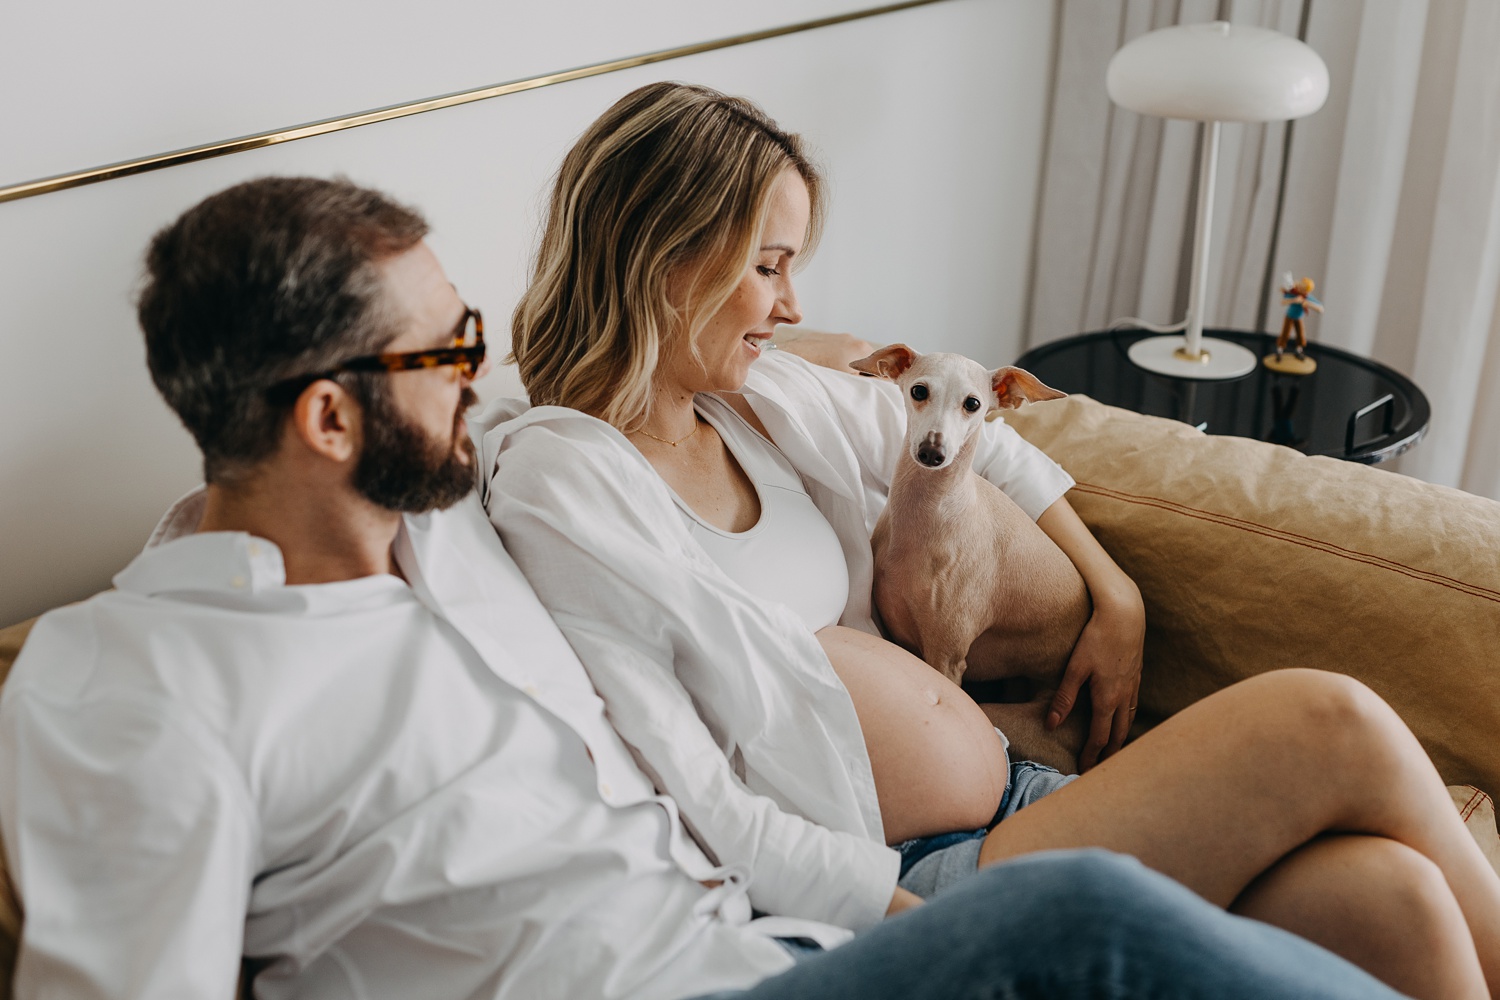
{"x":695,"y":514}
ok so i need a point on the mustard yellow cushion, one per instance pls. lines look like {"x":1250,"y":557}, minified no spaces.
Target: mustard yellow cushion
{"x":1478,"y":812}
{"x":10,"y":645}
{"x":1251,"y":557}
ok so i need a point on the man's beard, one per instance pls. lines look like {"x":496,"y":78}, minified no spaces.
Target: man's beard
{"x":402,"y":468}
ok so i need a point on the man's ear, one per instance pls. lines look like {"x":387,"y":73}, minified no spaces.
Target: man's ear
{"x":327,"y":420}
{"x":1014,"y":386}
{"x":888,"y":362}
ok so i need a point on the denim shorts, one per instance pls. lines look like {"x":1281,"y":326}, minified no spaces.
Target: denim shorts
{"x":931,"y":864}
{"x":800,"y":948}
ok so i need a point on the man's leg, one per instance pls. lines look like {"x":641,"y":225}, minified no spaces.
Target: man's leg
{"x":1070,"y":924}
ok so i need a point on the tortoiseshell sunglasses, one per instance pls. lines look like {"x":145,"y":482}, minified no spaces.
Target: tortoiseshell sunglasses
{"x":468,"y":356}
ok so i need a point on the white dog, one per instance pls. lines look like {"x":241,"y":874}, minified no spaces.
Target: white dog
{"x":963,"y":577}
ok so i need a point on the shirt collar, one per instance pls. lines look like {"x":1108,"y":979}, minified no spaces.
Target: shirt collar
{"x":808,"y":452}
{"x":217,"y":560}
{"x":177,"y":558}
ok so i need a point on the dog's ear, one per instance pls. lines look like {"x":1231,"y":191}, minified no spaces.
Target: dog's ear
{"x":1014,"y":386}
{"x":888,"y":362}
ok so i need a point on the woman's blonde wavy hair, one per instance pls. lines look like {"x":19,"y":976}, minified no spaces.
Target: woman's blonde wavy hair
{"x":674,"y":179}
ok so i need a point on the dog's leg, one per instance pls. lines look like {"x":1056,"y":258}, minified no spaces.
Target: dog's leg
{"x":946,"y":647}
{"x":1023,"y":724}
{"x":953,"y":669}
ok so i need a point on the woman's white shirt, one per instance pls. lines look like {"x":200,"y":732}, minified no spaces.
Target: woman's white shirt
{"x":843,"y":433}
{"x":728,"y":702}
{"x":791,"y":554}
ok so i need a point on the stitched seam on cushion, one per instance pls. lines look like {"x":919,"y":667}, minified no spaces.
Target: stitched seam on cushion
{"x":1467,"y":809}
{"x":1328,"y":548}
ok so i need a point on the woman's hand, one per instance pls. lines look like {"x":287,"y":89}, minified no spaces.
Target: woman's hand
{"x":1108,"y":658}
{"x":902,"y":900}
{"x":1108,"y":653}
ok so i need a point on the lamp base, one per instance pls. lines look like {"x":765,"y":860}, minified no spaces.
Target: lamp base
{"x":1220,"y":360}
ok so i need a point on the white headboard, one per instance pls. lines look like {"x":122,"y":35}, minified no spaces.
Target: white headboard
{"x":929,"y":121}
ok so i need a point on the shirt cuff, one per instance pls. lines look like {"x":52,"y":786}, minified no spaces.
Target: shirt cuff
{"x":866,"y":906}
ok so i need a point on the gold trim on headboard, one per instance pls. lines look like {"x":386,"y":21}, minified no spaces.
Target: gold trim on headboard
{"x":126,"y":168}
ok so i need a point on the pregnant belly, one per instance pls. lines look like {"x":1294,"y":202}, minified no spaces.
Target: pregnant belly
{"x":939,"y":765}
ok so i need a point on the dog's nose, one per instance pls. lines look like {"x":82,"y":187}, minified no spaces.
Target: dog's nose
{"x":930,"y":455}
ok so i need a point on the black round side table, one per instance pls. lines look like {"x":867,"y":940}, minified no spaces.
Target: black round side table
{"x":1350,"y":408}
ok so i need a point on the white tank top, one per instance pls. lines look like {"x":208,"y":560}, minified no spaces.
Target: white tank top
{"x":791,"y":554}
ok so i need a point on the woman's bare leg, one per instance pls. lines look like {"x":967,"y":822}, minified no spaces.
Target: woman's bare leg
{"x":938,"y":764}
{"x":1219,"y":793}
{"x":1377,"y":903}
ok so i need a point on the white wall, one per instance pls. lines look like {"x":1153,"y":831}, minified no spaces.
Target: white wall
{"x":929,"y":122}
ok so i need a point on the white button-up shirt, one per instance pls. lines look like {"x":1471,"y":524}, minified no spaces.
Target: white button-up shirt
{"x":387,"y":790}
{"x":729,"y":699}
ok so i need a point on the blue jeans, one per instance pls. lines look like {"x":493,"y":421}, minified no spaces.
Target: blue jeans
{"x":1069,"y":924}
{"x":931,"y":864}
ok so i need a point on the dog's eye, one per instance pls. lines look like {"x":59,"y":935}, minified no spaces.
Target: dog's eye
{"x":971,"y":404}
{"x":919,"y":392}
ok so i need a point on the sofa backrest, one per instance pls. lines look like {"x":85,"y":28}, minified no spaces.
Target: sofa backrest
{"x":10,"y":645}
{"x":10,"y":909}
{"x":1251,"y":556}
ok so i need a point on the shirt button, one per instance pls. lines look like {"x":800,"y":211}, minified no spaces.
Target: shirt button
{"x":531,"y":689}
{"x":253,"y":549}
{"x":605,"y":790}
{"x":237,"y":583}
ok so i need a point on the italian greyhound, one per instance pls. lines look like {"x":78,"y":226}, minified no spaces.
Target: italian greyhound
{"x":963,"y":577}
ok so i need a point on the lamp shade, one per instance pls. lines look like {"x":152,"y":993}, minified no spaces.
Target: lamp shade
{"x":1218,"y":72}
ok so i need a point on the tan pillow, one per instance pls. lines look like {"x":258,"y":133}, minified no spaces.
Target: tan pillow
{"x":1478,"y":811}
{"x":10,"y":645}
{"x":1252,"y":556}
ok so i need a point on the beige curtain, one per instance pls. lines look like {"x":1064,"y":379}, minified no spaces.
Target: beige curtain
{"x":1389,"y":197}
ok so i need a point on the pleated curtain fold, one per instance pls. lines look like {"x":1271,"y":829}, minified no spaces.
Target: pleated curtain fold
{"x":1389,"y":198}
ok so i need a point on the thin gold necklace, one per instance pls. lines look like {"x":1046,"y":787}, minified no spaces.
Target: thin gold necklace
{"x":696,"y":425}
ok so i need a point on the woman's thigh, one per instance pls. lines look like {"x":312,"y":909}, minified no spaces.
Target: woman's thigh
{"x":1216,"y":794}
{"x":938,"y":763}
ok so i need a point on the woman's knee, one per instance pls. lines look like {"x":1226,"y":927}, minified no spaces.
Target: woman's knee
{"x":1332,"y":717}
{"x":1430,"y":917}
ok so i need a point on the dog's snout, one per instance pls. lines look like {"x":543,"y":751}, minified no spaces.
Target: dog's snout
{"x":930,"y":451}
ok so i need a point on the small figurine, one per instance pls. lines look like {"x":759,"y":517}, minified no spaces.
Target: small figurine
{"x":1298,"y":299}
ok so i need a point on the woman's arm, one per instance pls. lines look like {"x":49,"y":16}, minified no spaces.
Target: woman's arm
{"x":1108,"y":653}
{"x":868,"y":418}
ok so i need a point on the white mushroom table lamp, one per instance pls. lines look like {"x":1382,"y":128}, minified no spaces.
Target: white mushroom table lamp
{"x":1211,"y":73}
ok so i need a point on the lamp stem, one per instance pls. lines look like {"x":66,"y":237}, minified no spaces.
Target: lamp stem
{"x":1208,"y":168}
